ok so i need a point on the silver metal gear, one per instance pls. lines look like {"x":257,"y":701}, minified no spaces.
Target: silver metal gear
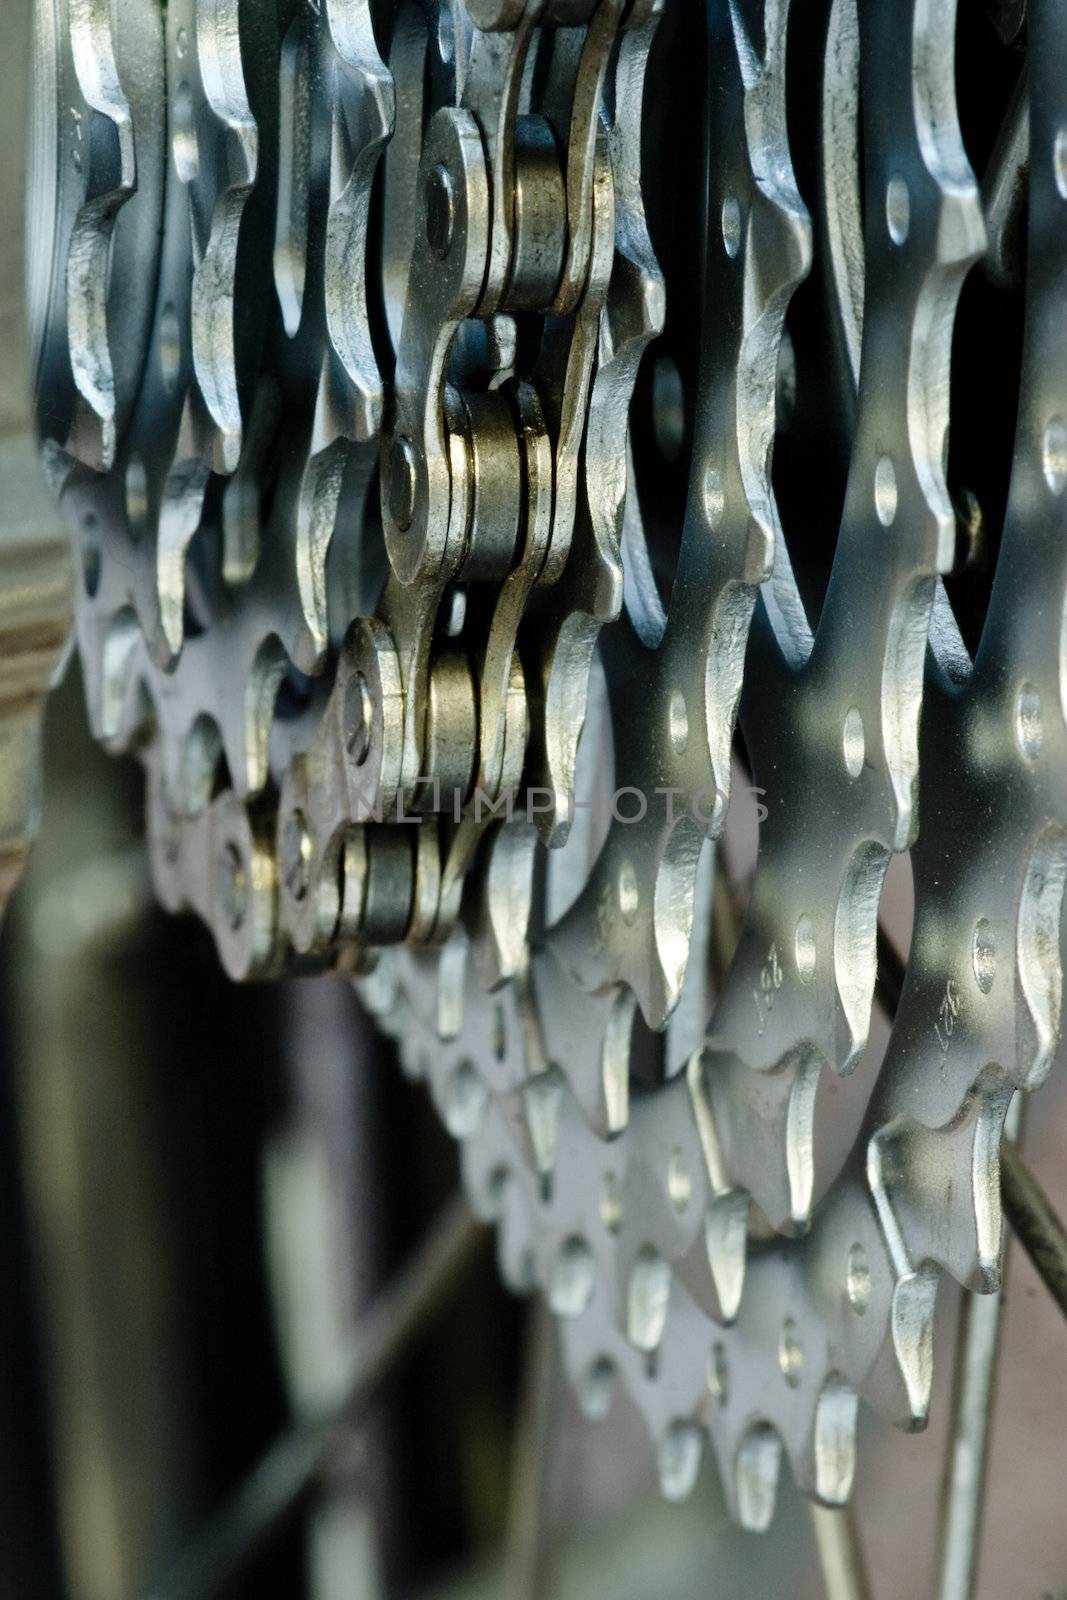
{"x":95,"y":198}
{"x":336,"y":702}
{"x":640,"y":1240}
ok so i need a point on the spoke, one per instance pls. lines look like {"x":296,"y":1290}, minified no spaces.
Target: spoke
{"x":1004,"y":192}
{"x":528,"y":1565}
{"x":979,"y":1337}
{"x":840,"y":1555}
{"x":972,"y":1416}
{"x":1036,"y":1225}
{"x":278,"y":1486}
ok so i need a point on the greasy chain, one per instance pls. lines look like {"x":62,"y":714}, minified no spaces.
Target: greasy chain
{"x":339,"y":382}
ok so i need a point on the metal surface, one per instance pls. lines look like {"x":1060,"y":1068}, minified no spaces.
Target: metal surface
{"x":968,"y":1464}
{"x":976,"y":1363}
{"x":839,"y":1553}
{"x":467,"y":733}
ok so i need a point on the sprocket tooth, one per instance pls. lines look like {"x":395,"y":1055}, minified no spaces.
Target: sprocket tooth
{"x":919,"y":1175}
{"x":828,"y":1465}
{"x":227,"y":175}
{"x":713,"y":1267}
{"x":450,"y":1010}
{"x":94,"y":435}
{"x":1040,"y":962}
{"x":766,"y":1132}
{"x":506,"y":1206}
{"x":102,"y":178}
{"x":751,"y":1485}
{"x":571,"y":1278}
{"x":604,"y":1093}
{"x":854,"y":947}
{"x":179,"y":519}
{"x":542,"y":1103}
{"x":666,"y":1205}
{"x":597,"y":1389}
{"x":366,"y":100}
{"x":912,"y":1329}
{"x":678,"y":1459}
{"x":725,"y":1243}
{"x":615,"y":1064}
{"x":350,"y":398}
{"x":502,"y":931}
{"x":565,"y":670}
{"x":726,"y":1218}
{"x":647,"y":1298}
{"x":316,"y":517}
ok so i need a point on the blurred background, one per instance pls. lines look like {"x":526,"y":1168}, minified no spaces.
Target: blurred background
{"x":202,"y":1190}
